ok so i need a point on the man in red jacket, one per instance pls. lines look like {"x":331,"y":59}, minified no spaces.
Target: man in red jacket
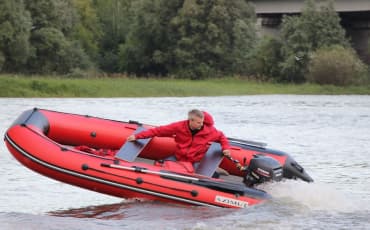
{"x":191,"y":136}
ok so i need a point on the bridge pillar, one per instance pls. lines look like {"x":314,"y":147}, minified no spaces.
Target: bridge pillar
{"x":358,"y":30}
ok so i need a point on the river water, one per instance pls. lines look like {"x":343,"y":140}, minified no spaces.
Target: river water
{"x":328,"y":135}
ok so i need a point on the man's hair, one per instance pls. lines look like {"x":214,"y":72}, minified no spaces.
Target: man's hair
{"x":195,"y":112}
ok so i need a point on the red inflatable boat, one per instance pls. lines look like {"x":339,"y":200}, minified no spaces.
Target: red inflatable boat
{"x":91,"y":153}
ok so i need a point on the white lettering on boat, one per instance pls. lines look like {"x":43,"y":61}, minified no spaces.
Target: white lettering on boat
{"x":263,"y":172}
{"x":230,"y":201}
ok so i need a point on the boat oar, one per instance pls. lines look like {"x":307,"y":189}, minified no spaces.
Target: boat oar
{"x":233,"y":187}
{"x":144,"y":170}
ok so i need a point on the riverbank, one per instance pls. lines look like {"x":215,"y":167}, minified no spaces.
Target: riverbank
{"x":24,"y":86}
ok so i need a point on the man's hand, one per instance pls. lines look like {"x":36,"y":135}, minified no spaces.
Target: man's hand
{"x":226,"y":153}
{"x":131,"y":138}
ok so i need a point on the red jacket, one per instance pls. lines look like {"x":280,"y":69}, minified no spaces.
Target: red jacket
{"x":189,"y":148}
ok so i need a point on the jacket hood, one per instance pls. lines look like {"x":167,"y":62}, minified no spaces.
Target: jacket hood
{"x":208,"y":119}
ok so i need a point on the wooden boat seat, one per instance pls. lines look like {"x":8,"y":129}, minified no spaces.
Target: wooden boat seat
{"x":211,"y":160}
{"x":131,"y":149}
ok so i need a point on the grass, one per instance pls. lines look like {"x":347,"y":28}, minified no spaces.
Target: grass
{"x":43,"y":86}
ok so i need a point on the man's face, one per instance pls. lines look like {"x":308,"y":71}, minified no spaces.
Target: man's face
{"x":195,"y":122}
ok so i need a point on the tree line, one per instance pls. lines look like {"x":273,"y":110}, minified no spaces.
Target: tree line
{"x":180,"y":38}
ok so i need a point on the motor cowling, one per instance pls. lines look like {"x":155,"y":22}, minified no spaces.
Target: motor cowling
{"x":262,"y":169}
{"x":292,"y":170}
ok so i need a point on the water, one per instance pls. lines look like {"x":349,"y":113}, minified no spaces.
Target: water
{"x":328,"y":135}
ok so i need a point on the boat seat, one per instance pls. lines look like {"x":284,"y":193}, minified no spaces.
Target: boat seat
{"x":211,"y":160}
{"x":131,"y":149}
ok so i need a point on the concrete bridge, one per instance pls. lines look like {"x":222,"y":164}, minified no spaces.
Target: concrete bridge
{"x":355,"y":18}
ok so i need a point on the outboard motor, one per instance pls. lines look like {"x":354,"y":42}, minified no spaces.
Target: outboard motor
{"x":293,"y":170}
{"x":262,"y":169}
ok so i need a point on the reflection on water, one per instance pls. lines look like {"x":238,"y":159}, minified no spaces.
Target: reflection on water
{"x":138,"y":210}
{"x":105,"y":212}
{"x":328,"y":135}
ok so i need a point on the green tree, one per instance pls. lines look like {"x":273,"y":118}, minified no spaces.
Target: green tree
{"x":88,"y":30}
{"x":264,"y":58}
{"x":59,"y":14}
{"x":54,"y":53}
{"x":52,"y":37}
{"x":214,"y":37}
{"x":147,"y":47}
{"x":15,"y":26}
{"x":189,"y":38}
{"x":115,"y":19}
{"x":302,"y":35}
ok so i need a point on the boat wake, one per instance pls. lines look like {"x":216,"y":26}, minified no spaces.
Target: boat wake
{"x":289,"y":194}
{"x":314,"y":196}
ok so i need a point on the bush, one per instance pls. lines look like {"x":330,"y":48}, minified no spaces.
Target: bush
{"x":336,"y":65}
